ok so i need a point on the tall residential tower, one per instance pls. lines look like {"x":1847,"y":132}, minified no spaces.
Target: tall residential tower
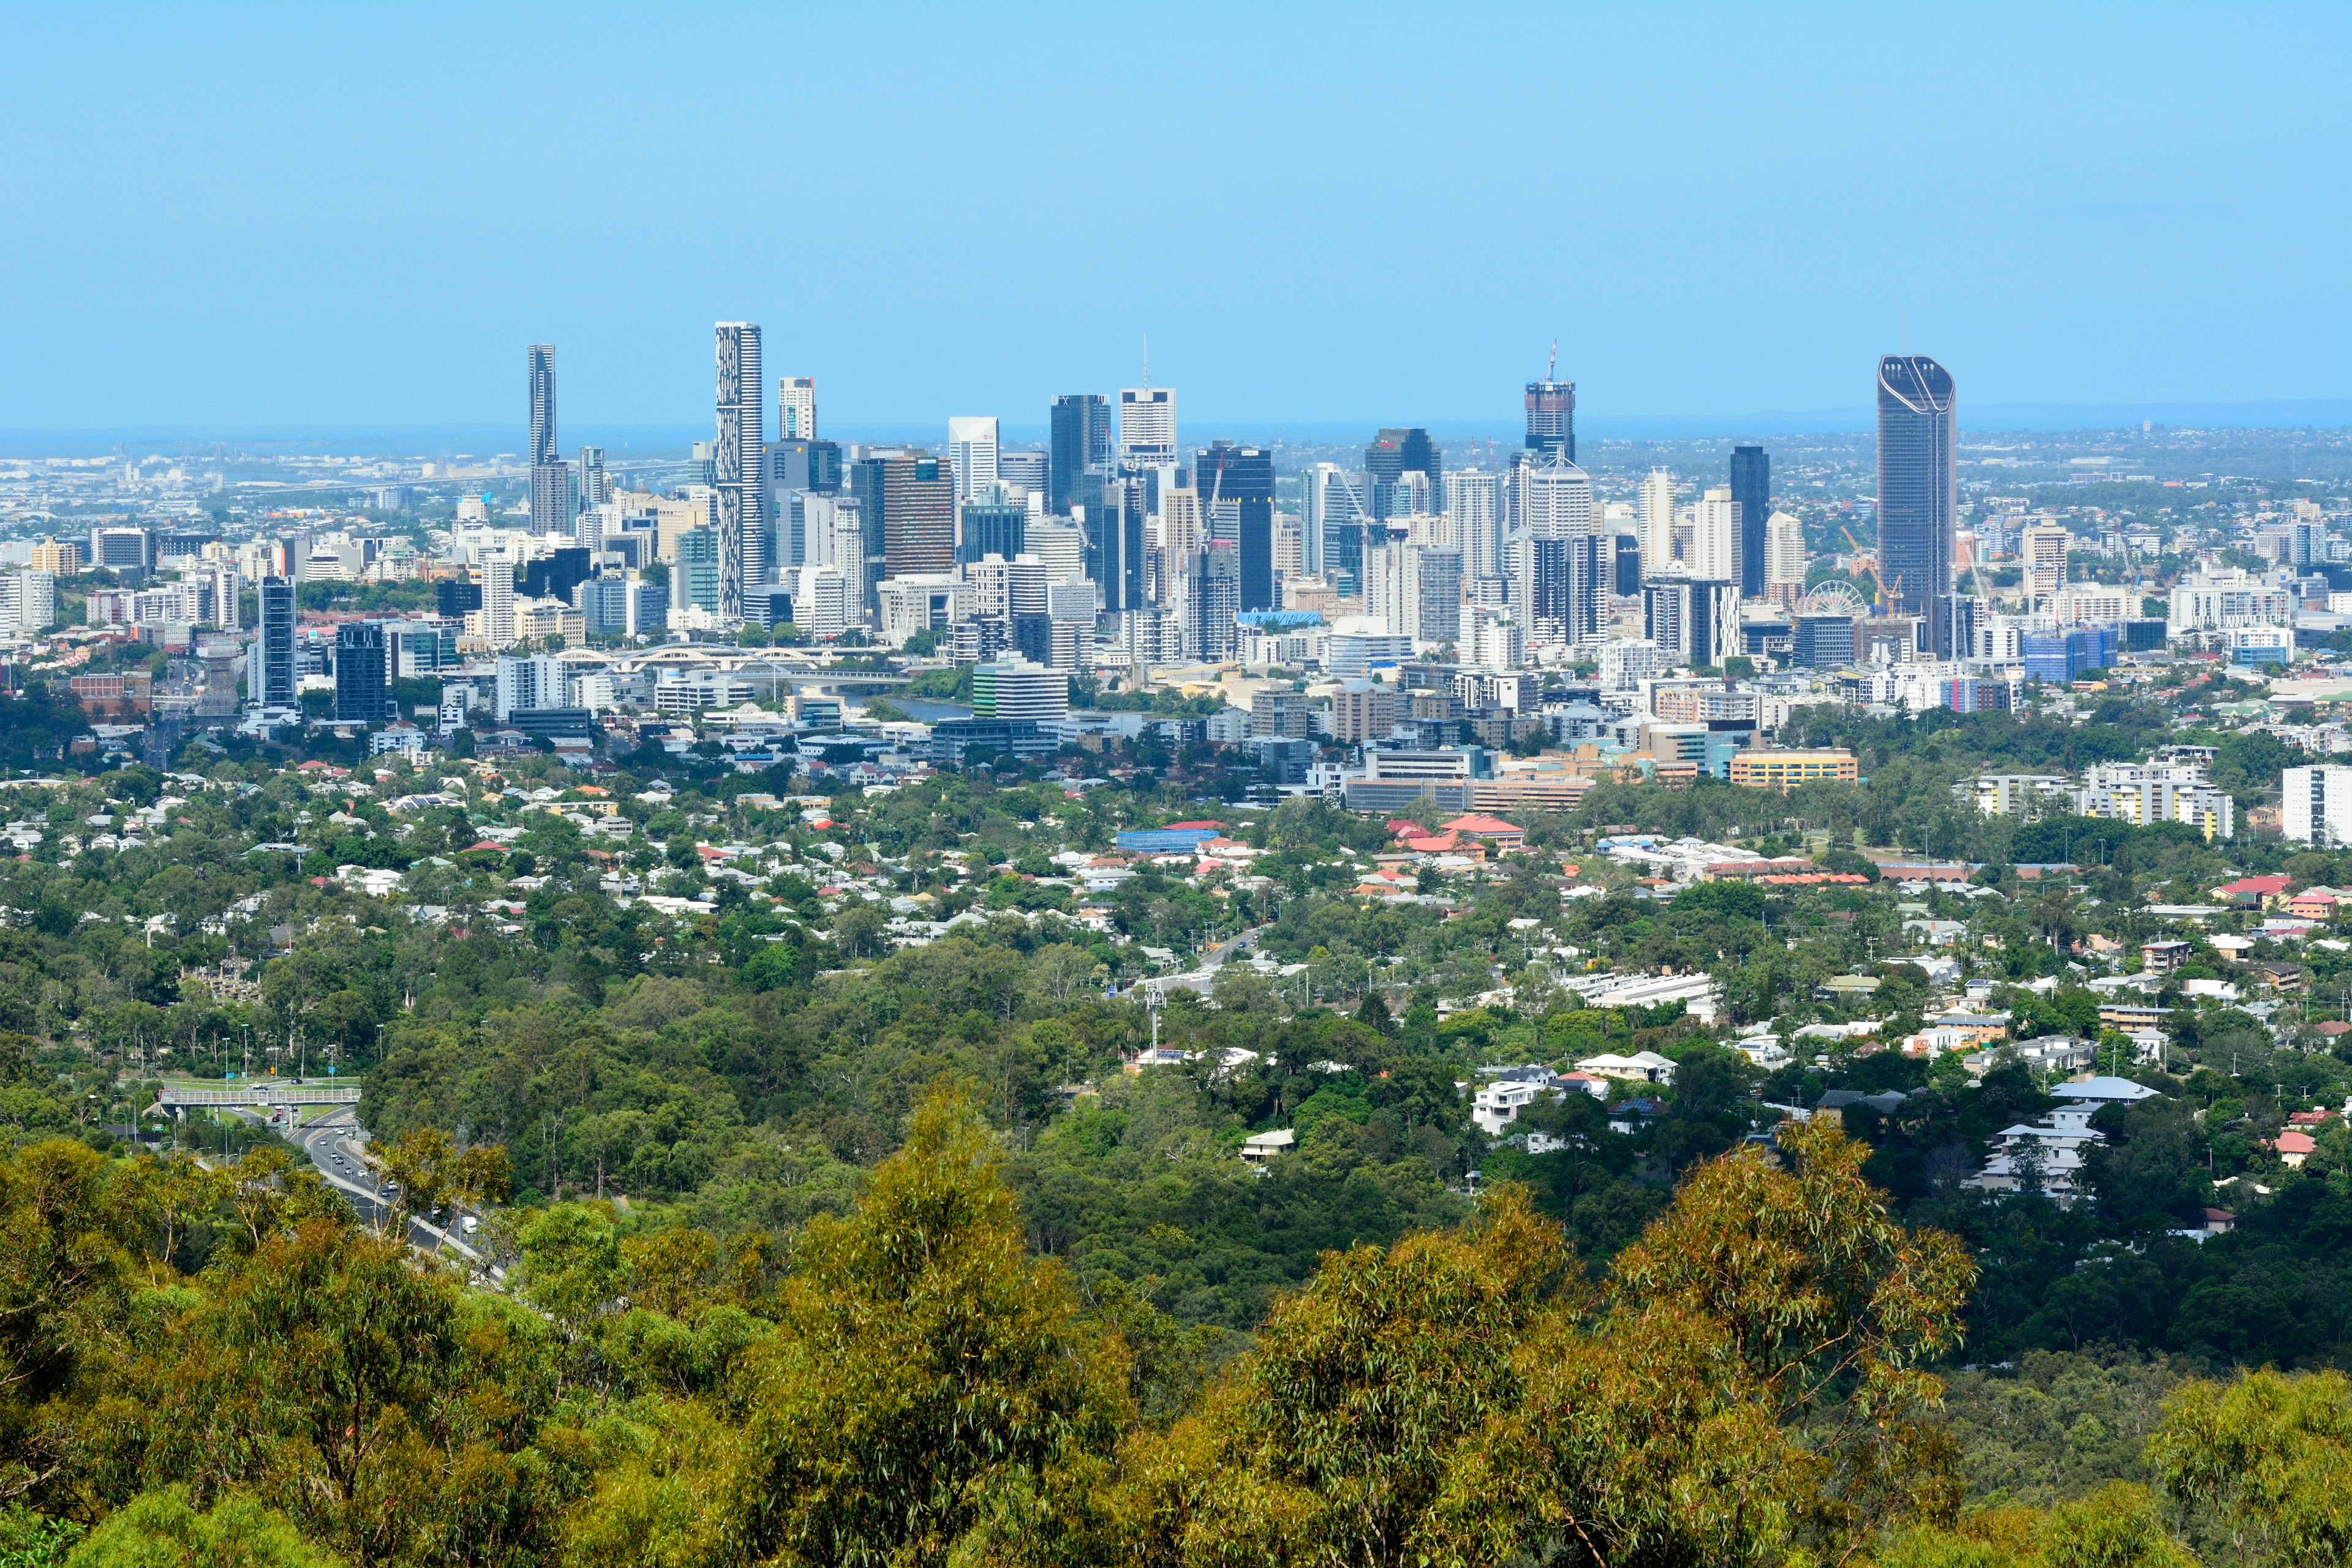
{"x":736,"y":461}
{"x":551,"y":477}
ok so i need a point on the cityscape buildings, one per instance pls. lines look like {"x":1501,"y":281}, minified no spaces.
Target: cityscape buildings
{"x":741,"y":444}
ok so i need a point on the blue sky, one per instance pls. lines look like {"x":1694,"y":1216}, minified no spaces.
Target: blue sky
{"x":351,"y":215}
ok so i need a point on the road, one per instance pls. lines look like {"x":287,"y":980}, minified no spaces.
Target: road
{"x":337,"y":1151}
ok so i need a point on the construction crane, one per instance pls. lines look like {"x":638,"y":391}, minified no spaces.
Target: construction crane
{"x":1886,"y":595}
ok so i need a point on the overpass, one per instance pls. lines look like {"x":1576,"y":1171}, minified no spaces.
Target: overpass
{"x":269,"y":1093}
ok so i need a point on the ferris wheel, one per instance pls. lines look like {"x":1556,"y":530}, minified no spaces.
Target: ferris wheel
{"x":1835,"y":597}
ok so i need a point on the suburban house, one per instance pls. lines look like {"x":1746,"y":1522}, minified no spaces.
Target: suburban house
{"x":1642,"y":1067}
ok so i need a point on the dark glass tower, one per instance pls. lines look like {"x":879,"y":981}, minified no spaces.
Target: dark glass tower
{"x":363,"y":675}
{"x":1918,"y":487}
{"x":1225,"y":473}
{"x":277,"y":623}
{"x":1391,"y":456}
{"x":992,"y":528}
{"x":1751,"y":489}
{"x":1552,"y":418}
{"x":1081,"y":440}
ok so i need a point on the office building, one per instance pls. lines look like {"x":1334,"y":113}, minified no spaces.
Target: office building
{"x":796,"y":408}
{"x":1655,"y":519}
{"x":908,"y":501}
{"x":1552,"y":418}
{"x":1018,"y":689}
{"x":1147,"y":426}
{"x":1062,"y":546}
{"x":1628,"y":549}
{"x":1917,"y":483}
{"x":2069,"y":654}
{"x":1116,"y":538}
{"x":2316,"y":806}
{"x":1225,"y":473}
{"x":971,"y":453}
{"x":736,"y":458}
{"x":551,"y":477}
{"x":1555,"y":500}
{"x":363,"y":675}
{"x":695,"y":577}
{"x":1392,"y":455}
{"x":1335,"y":513}
{"x":1823,"y":642}
{"x":1029,"y":468}
{"x":1080,"y":439}
{"x":1751,"y":493}
{"x":991,"y":523}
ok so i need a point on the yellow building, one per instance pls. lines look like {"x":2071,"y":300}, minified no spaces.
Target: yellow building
{"x":1784,"y":769}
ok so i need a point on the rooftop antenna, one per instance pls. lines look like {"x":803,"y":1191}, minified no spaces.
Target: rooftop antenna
{"x":1552,"y":370}
{"x":1147,"y":361}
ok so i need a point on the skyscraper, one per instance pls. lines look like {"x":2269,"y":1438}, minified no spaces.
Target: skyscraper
{"x":1917,"y":485}
{"x":1245,"y":474}
{"x":363,"y":675}
{"x":1081,"y":440}
{"x":1335,"y":514}
{"x":990,"y":524}
{"x":550,"y":478}
{"x":735,"y":466}
{"x":592,"y":478}
{"x":1656,"y":520}
{"x":1751,"y":490}
{"x":1474,"y":500}
{"x":275,"y":689}
{"x":542,"y":404}
{"x":971,"y":453}
{"x":1552,"y":418}
{"x":908,"y":504}
{"x":1393,"y":454}
{"x":796,"y":408}
{"x":1715,"y":537}
{"x":1147,"y":426}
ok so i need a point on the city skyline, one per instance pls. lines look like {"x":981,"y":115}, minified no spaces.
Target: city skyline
{"x":2080,"y":229}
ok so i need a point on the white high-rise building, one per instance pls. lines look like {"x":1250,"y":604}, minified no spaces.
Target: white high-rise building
{"x":1495,"y":641}
{"x":1784,"y":552}
{"x":1061,"y":546}
{"x":1626,"y":662}
{"x":1714,"y":539}
{"x":1556,"y":501}
{"x":28,"y":602}
{"x":1415,"y":591}
{"x":1474,"y":500}
{"x":1656,"y":517}
{"x":497,"y":603}
{"x":797,"y":407}
{"x":736,"y":466}
{"x":2044,"y":549}
{"x":1147,"y":426}
{"x":1002,"y":588}
{"x":972,"y":449}
{"x":2316,"y":806}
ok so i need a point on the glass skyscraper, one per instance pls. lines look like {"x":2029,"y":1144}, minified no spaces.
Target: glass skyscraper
{"x":1225,"y":473}
{"x":1081,"y":440}
{"x":1751,"y":491}
{"x":1918,"y":485}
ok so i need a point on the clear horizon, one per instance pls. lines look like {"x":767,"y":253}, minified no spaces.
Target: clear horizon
{"x":353,"y":219}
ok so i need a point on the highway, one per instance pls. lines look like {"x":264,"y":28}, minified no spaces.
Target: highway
{"x":337,"y":1151}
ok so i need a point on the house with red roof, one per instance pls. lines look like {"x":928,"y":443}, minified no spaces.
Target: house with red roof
{"x":1494,"y":830}
{"x":2294,"y":1148}
{"x":2252,"y":892}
